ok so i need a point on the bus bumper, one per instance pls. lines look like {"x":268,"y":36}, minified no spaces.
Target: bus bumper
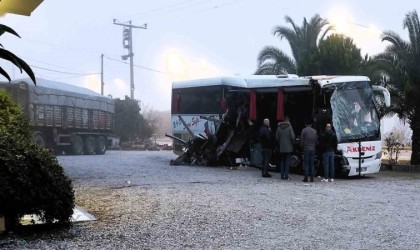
{"x":370,"y":167}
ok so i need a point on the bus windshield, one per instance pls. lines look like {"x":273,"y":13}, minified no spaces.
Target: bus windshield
{"x":355,"y":116}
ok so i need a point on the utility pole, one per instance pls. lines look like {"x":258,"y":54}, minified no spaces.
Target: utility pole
{"x":128,"y":44}
{"x":102,"y":74}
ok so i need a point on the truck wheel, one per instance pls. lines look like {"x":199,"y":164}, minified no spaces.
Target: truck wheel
{"x":58,"y":150}
{"x":89,"y":146}
{"x":77,"y":145}
{"x":100,"y":145}
{"x":39,"y":140}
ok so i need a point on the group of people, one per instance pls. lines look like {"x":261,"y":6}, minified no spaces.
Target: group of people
{"x":283,"y":141}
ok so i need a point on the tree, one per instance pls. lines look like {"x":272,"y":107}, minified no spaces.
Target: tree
{"x":151,"y":121}
{"x":130,"y":124}
{"x":338,"y":55}
{"x":303,"y":42}
{"x":127,"y":118}
{"x":401,"y":63}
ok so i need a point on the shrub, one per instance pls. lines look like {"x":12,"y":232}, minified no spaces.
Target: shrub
{"x":31,"y":179}
{"x":393,"y":147}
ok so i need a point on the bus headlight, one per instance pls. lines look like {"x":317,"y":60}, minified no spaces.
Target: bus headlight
{"x":378,"y":155}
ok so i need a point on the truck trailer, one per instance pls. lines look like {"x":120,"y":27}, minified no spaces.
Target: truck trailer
{"x":64,"y":117}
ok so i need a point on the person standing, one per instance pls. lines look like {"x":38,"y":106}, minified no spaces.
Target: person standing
{"x":308,"y":141}
{"x":328,"y":143}
{"x":266,"y":140}
{"x":285,"y":138}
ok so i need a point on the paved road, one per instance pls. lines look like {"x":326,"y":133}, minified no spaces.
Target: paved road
{"x":141,"y":202}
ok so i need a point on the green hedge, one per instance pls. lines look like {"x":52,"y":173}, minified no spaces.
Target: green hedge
{"x":31,"y":179}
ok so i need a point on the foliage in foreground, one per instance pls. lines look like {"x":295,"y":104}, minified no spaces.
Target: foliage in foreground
{"x":31,"y":179}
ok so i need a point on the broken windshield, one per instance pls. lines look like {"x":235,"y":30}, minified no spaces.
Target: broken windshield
{"x":355,"y":115}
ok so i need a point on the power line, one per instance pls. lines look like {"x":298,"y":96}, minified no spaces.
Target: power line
{"x":178,"y":8}
{"x":69,"y":77}
{"x":138,"y":66}
{"x":63,"y":72}
{"x":219,"y":6}
{"x":58,"y":66}
{"x":65,"y":47}
{"x":194,"y":10}
{"x":159,"y":9}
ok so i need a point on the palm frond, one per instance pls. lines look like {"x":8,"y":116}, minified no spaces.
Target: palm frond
{"x":9,"y":56}
{"x":411,"y":22}
{"x":273,"y":60}
{"x":4,"y":28}
{"x":4,"y":73}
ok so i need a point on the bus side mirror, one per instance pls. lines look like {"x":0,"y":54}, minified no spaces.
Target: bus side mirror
{"x":385,"y":92}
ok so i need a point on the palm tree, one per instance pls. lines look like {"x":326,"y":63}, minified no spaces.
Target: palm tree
{"x":303,"y":42}
{"x":401,"y":62}
{"x":9,"y":56}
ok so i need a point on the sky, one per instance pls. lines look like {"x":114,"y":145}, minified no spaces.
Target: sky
{"x":185,"y":39}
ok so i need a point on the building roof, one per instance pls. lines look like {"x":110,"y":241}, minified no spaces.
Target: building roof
{"x":19,"y":7}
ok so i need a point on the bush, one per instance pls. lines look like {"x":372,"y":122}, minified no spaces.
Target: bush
{"x":31,"y":179}
{"x":393,"y":147}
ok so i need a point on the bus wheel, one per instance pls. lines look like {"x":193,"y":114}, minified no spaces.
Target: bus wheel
{"x":89,"y":146}
{"x":39,"y":139}
{"x":100,"y":145}
{"x":77,"y":145}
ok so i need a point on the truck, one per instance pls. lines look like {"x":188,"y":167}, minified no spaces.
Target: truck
{"x":65,"y":118}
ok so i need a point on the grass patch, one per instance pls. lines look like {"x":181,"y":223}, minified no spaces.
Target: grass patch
{"x":399,"y":174}
{"x":400,"y":162}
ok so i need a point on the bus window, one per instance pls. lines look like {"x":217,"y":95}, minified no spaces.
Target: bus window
{"x":203,"y":100}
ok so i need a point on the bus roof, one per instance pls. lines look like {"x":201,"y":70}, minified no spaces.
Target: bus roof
{"x":252,"y":81}
{"x":215,"y":81}
{"x":325,"y":80}
{"x":267,"y":81}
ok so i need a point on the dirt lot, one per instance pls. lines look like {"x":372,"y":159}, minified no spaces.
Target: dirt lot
{"x":141,"y":202}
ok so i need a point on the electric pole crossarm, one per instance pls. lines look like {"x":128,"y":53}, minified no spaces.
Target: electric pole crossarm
{"x":130,"y":25}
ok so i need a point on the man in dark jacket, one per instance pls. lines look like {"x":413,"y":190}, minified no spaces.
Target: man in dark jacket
{"x":266,"y":140}
{"x":285,"y":138}
{"x":308,"y":141}
{"x":328,"y":143}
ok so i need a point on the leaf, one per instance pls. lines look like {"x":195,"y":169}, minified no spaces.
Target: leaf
{"x":22,"y":65}
{"x":9,"y":56}
{"x":4,"y":73}
{"x":27,"y":69}
{"x":4,"y":28}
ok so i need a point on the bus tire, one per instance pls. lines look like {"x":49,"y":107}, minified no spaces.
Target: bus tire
{"x":89,"y":146}
{"x":100,"y":145}
{"x":77,"y":145}
{"x":39,"y":139}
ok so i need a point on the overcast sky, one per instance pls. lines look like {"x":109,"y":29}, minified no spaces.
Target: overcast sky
{"x":184,"y":39}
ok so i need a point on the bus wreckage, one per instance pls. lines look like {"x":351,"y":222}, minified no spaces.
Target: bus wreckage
{"x":215,"y":121}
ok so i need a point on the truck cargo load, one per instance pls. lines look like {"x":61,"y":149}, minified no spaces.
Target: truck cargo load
{"x":64,"y":117}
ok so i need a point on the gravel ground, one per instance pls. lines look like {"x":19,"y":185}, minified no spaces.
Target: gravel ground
{"x":141,"y":202}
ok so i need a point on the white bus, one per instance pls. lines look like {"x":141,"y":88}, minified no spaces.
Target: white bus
{"x":348,"y":102}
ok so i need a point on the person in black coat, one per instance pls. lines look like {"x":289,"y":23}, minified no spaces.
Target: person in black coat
{"x":266,"y":139}
{"x":328,"y":144}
